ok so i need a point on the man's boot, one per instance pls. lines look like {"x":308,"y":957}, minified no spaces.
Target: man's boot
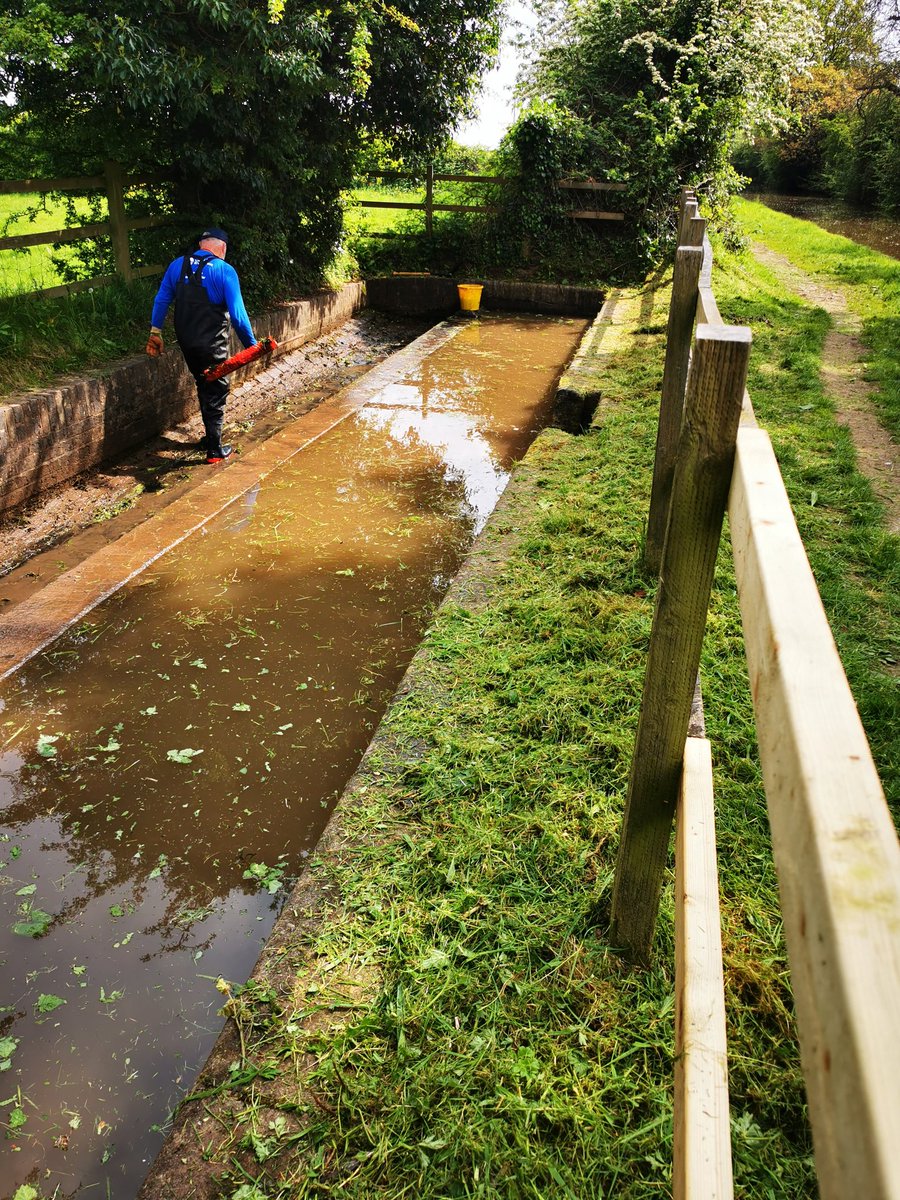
{"x":217,"y":453}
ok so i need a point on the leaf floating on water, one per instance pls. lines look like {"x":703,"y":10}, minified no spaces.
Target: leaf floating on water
{"x":240,"y":707}
{"x":149,"y":712}
{"x":346,"y":571}
{"x":198,"y":662}
{"x":182,"y":756}
{"x":45,"y":746}
{"x":111,"y":746}
{"x":110,"y":999}
{"x":7,"y":1050}
{"x":26,"y":1192}
{"x":28,"y":890}
{"x":268,"y":877}
{"x":116,"y":910}
{"x":36,"y":923}
{"x":47,"y":1003}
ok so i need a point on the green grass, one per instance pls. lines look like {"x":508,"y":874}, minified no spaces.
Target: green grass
{"x":32,"y":268}
{"x":359,"y":222}
{"x":43,"y":339}
{"x":509,"y":1052}
{"x":870,"y":280}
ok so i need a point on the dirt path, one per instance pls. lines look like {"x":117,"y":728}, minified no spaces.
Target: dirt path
{"x":843,"y":363}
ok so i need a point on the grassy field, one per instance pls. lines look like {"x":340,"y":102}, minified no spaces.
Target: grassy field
{"x":361,"y":221}
{"x":509,"y":1052}
{"x":30,"y":269}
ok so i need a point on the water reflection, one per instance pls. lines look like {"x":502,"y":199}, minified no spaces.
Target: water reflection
{"x":201,"y":723}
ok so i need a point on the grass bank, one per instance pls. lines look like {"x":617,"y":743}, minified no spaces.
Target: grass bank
{"x":42,"y":340}
{"x":870,"y":280}
{"x":489,"y":1041}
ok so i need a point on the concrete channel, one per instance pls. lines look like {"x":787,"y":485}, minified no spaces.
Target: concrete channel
{"x":182,"y":712}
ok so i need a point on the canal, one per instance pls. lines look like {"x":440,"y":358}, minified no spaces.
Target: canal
{"x":168,"y":764}
{"x":869,"y":229}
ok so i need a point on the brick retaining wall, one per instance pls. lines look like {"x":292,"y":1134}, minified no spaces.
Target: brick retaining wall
{"x":50,"y":436}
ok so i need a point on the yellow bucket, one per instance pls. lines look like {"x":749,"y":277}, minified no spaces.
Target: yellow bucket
{"x":469,"y":296}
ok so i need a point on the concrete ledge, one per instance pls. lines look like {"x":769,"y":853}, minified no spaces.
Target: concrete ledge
{"x":48,"y":437}
{"x":436,"y":295}
{"x":579,"y":390}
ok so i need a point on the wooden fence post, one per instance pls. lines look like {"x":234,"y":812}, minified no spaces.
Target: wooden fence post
{"x":679,"y":333}
{"x":696,"y":231}
{"x":118,"y":229}
{"x":429,"y":200}
{"x":699,"y":493}
{"x":690,"y":211}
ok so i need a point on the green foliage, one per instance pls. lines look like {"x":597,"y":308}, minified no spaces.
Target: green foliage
{"x":842,"y":141}
{"x":257,"y":112}
{"x":662,"y":91}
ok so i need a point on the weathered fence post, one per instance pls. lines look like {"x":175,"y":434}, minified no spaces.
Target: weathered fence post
{"x":679,"y":332}
{"x":699,"y":493}
{"x":118,"y":229}
{"x":429,"y":199}
{"x":690,"y":210}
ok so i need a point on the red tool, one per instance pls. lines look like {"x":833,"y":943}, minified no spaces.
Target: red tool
{"x":251,"y":354}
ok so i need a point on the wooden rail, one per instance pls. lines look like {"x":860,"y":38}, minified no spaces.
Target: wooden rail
{"x":117,"y":227}
{"x":429,"y":207}
{"x":836,"y":850}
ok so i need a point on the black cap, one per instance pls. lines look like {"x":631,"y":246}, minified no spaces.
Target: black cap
{"x":219,"y":234}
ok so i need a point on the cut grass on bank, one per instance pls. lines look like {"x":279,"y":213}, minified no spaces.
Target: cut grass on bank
{"x":870,"y":280}
{"x":509,"y":1052}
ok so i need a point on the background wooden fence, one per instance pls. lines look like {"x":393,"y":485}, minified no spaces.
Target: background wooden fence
{"x":836,"y":850}
{"x":430,"y":207}
{"x":117,"y":227}
{"x":113,"y":183}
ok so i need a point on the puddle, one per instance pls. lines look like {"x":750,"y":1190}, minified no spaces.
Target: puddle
{"x":174,"y":757}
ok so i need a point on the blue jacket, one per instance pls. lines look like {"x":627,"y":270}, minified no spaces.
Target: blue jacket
{"x":222,"y":285}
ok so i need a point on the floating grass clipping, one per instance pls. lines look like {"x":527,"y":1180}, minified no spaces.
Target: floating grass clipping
{"x":489,"y":1041}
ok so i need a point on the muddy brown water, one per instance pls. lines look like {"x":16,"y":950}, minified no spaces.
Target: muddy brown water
{"x":199,"y":726}
{"x":869,"y":229}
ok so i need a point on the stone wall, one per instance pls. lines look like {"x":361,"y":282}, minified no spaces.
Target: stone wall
{"x":48,"y":437}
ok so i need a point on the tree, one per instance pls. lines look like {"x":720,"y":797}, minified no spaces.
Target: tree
{"x":255,"y":109}
{"x":663,"y":89}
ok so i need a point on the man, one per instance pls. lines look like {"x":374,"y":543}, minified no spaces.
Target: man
{"x":206,"y":291}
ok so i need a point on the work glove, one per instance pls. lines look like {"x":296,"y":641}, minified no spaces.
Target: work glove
{"x":154,"y":343}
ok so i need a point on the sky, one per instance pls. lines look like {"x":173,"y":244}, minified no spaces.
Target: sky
{"x":495,"y":104}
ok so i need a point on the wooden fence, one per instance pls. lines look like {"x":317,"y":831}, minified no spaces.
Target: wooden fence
{"x":836,"y":850}
{"x":114,"y":184}
{"x":118,"y":226}
{"x":429,"y":207}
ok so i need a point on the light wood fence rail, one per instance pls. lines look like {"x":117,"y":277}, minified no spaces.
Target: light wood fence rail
{"x":836,"y":851}
{"x":114,"y":184}
{"x":430,"y":207}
